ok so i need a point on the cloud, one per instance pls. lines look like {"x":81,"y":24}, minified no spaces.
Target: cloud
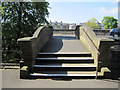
{"x":116,"y":1}
{"x":108,"y":11}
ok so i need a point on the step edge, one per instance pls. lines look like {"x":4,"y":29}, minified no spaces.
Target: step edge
{"x":63,"y":66}
{"x":63,"y":74}
{"x":64,"y":53}
{"x":65,"y":58}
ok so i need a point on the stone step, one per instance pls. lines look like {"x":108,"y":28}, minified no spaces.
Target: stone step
{"x":64,"y":73}
{"x":64,"y":54}
{"x":65,"y":66}
{"x":38,"y":62}
{"x":66,"y":58}
{"x":105,"y":72}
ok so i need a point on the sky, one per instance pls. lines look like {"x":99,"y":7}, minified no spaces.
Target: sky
{"x":79,"y":12}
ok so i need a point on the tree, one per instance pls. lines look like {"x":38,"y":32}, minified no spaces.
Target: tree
{"x":109,"y":22}
{"x":21,"y":19}
{"x":92,"y":23}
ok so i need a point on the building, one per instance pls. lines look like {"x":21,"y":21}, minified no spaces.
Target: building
{"x":61,"y":25}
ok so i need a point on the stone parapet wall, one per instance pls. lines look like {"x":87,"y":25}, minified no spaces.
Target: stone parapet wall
{"x":104,"y":49}
{"x":30,"y":46}
{"x":64,"y":31}
{"x":86,"y":40}
{"x":99,"y":47}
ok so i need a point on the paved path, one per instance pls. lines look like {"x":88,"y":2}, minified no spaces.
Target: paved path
{"x":10,"y":79}
{"x":66,"y":43}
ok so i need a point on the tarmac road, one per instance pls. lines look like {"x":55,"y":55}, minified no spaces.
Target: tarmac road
{"x":10,"y":79}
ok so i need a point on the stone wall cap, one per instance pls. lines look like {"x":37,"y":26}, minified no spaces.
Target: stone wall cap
{"x":107,"y":40}
{"x":38,"y":31}
{"x":116,"y":48}
{"x":26,"y":39}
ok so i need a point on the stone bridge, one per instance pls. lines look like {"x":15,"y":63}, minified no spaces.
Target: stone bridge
{"x":77,"y":54}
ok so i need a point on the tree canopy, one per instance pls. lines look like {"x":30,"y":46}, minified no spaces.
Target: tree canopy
{"x":92,"y":23}
{"x":21,"y":19}
{"x":109,"y":22}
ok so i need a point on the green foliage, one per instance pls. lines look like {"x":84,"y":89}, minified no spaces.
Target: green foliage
{"x":1,"y":9}
{"x":21,"y":19}
{"x":109,"y":22}
{"x":92,"y":23}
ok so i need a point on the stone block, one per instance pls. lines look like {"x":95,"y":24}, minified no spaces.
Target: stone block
{"x":24,"y":72}
{"x":30,"y":46}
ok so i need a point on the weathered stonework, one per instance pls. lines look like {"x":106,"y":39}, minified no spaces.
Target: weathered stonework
{"x":99,"y":47}
{"x":115,"y":61}
{"x":30,"y":46}
{"x":77,"y":32}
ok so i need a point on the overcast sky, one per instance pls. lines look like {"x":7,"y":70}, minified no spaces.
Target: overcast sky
{"x":78,"y":12}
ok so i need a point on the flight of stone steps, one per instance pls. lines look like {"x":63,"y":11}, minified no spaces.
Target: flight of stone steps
{"x":65,"y":64}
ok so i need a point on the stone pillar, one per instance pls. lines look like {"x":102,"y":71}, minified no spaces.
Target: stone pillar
{"x":52,"y":31}
{"x":115,"y":62}
{"x":77,"y":32}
